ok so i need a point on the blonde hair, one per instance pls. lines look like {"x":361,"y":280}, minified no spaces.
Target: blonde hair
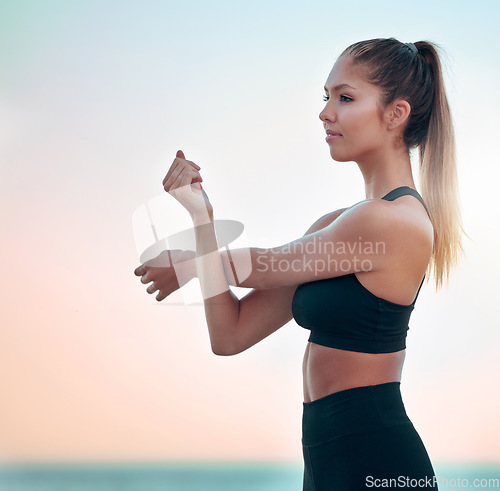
{"x":417,"y":77}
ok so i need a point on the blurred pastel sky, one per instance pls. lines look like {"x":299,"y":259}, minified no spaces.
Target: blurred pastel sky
{"x":95,"y":99}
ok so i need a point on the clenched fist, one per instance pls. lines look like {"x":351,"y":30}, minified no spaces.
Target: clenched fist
{"x":183,"y":182}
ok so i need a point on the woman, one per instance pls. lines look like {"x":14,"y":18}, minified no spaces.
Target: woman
{"x":357,"y":284}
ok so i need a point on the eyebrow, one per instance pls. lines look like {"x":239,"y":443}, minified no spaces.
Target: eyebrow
{"x":341,"y":86}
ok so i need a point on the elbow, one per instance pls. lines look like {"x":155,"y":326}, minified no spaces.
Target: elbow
{"x":220,"y":352}
{"x":223,"y":351}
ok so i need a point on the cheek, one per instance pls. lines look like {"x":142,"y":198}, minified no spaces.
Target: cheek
{"x":364,"y":123}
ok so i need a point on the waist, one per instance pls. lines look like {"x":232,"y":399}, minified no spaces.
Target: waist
{"x":328,"y":370}
{"x":353,"y":410}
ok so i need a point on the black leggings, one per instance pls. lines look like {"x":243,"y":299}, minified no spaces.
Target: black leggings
{"x":361,"y":438}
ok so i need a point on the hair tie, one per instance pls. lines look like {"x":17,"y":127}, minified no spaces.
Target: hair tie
{"x":412,"y":47}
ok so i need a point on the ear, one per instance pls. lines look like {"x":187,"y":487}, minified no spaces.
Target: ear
{"x":397,"y":114}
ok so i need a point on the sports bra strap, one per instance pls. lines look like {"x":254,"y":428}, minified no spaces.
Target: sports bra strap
{"x":404,"y":191}
{"x":418,"y":291}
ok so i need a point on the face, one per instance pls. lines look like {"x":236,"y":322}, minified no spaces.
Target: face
{"x":352,"y":111}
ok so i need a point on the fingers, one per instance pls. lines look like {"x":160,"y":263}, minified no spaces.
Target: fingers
{"x":149,"y":275}
{"x":180,"y":155}
{"x":181,"y":177}
{"x":152,"y":288}
{"x":161,"y":296}
{"x":172,"y":175}
{"x":181,"y":170}
{"x":179,"y":161}
{"x":146,"y":279}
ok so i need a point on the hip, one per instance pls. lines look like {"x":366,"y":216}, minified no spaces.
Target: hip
{"x":358,"y":434}
{"x":353,"y":410}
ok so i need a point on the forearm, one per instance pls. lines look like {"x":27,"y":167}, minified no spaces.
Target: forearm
{"x":221,"y":304}
{"x":241,"y":267}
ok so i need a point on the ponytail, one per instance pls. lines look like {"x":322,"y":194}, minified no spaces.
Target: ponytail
{"x":438,"y":175}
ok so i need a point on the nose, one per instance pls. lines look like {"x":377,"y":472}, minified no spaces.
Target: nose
{"x":327,"y":115}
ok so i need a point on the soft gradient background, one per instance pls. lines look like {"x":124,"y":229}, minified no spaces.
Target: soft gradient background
{"x":95,"y":99}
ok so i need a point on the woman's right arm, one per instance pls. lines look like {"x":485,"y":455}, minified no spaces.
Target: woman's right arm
{"x":261,"y":312}
{"x":264,"y":311}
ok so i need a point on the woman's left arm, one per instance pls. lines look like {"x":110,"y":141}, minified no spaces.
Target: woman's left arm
{"x":222,"y":306}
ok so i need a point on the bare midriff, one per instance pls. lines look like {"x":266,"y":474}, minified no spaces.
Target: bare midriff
{"x":328,"y":370}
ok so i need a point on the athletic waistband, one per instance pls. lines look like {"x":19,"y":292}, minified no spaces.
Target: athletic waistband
{"x":354,"y":410}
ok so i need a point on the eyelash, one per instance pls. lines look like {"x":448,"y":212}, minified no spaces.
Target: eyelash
{"x":327,"y":98}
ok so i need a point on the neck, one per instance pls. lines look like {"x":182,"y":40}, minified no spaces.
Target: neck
{"x":385,"y":173}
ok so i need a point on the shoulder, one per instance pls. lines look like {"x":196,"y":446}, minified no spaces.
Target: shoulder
{"x":402,"y":225}
{"x":402,"y":215}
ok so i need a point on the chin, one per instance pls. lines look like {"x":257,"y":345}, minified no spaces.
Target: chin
{"x":340,"y":158}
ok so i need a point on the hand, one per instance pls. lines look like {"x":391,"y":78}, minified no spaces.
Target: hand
{"x":166,"y":277}
{"x":183,"y":182}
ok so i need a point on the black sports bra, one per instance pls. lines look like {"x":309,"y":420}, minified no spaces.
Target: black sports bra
{"x":341,"y":313}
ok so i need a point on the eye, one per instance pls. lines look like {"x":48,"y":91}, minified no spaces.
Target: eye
{"x":343,"y":98}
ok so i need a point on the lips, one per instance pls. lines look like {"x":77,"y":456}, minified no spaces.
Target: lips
{"x":332,"y":135}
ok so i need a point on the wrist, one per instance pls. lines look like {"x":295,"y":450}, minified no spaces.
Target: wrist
{"x":202,"y":217}
{"x":189,"y":259}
